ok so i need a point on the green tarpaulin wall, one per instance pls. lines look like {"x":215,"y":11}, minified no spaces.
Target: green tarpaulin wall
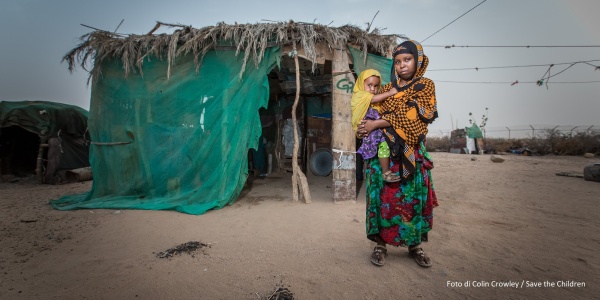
{"x":474,"y":132}
{"x":174,"y":144}
{"x":379,"y":63}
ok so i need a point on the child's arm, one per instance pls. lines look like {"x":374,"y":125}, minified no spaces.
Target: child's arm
{"x":380,"y":97}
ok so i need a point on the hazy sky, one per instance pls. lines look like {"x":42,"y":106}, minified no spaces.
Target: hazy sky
{"x":36,"y":34}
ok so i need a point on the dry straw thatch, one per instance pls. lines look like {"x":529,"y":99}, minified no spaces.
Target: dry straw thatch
{"x":251,"y":39}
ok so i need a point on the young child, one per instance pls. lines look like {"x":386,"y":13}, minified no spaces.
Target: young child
{"x":365,"y":105}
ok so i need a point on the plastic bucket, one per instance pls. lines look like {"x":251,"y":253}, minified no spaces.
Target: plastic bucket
{"x":321,"y":162}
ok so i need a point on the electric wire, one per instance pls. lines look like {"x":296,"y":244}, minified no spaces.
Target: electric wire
{"x":517,"y":66}
{"x":509,"y":82}
{"x":453,"y":21}
{"x":512,"y":46}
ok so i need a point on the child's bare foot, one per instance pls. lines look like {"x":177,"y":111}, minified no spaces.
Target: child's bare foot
{"x":388,"y":176}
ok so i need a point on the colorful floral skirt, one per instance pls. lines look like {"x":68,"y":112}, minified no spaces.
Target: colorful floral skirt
{"x":401,"y":213}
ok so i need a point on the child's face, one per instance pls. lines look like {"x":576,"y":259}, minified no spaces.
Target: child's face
{"x":372,"y":84}
{"x":405,"y":65}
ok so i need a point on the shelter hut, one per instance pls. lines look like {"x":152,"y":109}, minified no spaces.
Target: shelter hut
{"x":42,"y":138}
{"x":458,"y":141}
{"x":172,"y":116}
{"x":474,"y":139}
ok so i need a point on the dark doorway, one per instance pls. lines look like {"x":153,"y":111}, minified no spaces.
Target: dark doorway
{"x":18,"y":151}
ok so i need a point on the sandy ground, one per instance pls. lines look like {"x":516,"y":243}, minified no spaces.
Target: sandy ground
{"x":497,"y":223}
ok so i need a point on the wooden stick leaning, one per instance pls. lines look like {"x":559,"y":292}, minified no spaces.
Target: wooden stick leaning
{"x":297,"y":174}
{"x":39,"y":172}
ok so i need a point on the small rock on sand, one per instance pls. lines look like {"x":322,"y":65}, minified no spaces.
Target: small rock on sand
{"x":496,"y":159}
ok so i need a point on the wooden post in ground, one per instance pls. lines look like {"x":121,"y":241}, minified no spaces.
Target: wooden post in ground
{"x":343,"y":139}
{"x":39,"y":165}
{"x":298,"y":178}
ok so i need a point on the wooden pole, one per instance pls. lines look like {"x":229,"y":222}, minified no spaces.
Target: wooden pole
{"x":298,"y":176}
{"x":343,"y":138}
{"x":277,"y":154}
{"x":39,"y":166}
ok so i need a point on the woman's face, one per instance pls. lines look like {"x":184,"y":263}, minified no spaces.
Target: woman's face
{"x":372,"y":84}
{"x":405,"y":65}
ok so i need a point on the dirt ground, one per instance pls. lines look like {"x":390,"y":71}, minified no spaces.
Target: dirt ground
{"x":511,"y":223}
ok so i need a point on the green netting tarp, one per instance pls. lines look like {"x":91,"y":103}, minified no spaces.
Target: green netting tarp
{"x":474,"y":132}
{"x":174,"y":144}
{"x":379,"y":63}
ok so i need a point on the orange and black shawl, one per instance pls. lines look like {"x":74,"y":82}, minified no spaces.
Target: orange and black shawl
{"x":409,"y":112}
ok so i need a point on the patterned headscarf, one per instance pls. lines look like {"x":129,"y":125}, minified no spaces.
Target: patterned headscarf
{"x":410,"y":110}
{"x":361,"y":99}
{"x":414,"y":48}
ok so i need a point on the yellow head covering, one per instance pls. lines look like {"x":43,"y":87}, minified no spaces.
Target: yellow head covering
{"x":361,"y":99}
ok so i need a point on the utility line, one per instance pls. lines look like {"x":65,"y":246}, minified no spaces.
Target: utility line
{"x":550,"y":76}
{"x":453,"y":21}
{"x":513,"y":46}
{"x":518,"y":66}
{"x":508,"y":82}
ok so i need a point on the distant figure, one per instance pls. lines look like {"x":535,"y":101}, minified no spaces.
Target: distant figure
{"x":365,"y":105}
{"x":401,"y":213}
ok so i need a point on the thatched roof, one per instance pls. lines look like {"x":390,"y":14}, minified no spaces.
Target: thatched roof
{"x":252,"y":39}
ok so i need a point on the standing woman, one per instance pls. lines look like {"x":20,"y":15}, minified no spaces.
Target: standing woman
{"x":401,"y":213}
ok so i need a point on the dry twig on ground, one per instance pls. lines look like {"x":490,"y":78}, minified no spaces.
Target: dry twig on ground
{"x":189,"y":248}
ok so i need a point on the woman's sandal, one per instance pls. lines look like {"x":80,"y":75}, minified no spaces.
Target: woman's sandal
{"x":378,"y":256}
{"x":419,"y":255}
{"x":390,"y":177}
